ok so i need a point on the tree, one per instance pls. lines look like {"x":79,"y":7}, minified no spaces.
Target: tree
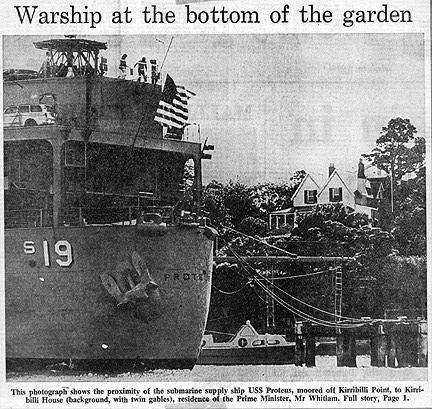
{"x":213,"y":200}
{"x":409,"y":226}
{"x":246,"y":208}
{"x":269,"y":197}
{"x":393,"y":153}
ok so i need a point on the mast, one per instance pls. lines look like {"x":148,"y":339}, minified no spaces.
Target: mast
{"x":80,"y":55}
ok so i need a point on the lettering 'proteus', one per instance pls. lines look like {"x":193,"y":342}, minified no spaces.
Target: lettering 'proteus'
{"x":31,"y":14}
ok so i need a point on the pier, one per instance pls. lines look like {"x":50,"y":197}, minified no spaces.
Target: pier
{"x":394,"y":343}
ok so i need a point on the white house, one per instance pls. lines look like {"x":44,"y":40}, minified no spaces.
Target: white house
{"x":353,"y":189}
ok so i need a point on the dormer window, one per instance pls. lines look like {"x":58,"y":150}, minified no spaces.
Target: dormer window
{"x":335,"y":194}
{"x":310,"y":196}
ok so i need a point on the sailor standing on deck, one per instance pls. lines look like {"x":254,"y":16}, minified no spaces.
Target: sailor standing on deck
{"x":46,"y":66}
{"x":142,"y":69}
{"x":122,"y":67}
{"x":70,"y":73}
{"x":154,"y":72}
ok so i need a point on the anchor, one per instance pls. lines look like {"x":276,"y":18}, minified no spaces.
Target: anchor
{"x":133,"y":287}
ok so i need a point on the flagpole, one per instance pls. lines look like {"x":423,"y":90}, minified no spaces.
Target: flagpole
{"x":166,"y":54}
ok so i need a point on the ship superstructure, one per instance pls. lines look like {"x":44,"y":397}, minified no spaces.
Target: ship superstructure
{"x":107,"y":256}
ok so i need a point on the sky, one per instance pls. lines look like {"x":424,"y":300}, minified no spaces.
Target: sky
{"x":273,"y":104}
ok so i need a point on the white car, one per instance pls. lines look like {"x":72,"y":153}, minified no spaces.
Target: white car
{"x":29,"y":115}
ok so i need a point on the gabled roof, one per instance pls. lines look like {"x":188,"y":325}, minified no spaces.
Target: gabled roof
{"x":349,"y":179}
{"x":336,"y":174}
{"x":364,"y":188}
{"x":317,"y":178}
{"x":372,"y":172}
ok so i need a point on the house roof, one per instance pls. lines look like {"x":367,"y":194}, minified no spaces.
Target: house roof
{"x":347,"y":181}
{"x":317,"y":178}
{"x":372,"y":172}
{"x":282,"y":211}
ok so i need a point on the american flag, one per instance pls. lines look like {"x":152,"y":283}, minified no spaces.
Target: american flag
{"x":173,"y":107}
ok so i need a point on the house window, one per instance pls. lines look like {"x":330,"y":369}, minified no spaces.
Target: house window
{"x":335,"y":194}
{"x":310,"y":196}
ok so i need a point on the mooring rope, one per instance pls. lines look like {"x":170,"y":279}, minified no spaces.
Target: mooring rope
{"x":302,"y":275}
{"x":260,"y":241}
{"x":232,"y":292}
{"x":217,"y":332}
{"x":250,"y":270}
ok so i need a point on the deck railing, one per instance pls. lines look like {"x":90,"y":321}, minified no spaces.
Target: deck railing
{"x":122,"y":215}
{"x":25,"y":218}
{"x":83,"y":216}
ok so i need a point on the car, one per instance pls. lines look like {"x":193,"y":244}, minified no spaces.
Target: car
{"x":29,"y":115}
{"x":12,"y":74}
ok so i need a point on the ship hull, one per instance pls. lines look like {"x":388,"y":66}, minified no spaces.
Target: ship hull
{"x":57,"y":306}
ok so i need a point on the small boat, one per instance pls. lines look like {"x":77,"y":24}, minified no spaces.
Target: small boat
{"x":247,"y":347}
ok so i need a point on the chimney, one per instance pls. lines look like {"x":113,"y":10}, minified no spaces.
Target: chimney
{"x":361,"y":170}
{"x":331,"y":169}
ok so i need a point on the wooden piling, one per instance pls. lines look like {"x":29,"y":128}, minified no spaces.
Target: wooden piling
{"x":381,"y":346}
{"x":310,"y":346}
{"x":349,"y":348}
{"x":422,"y":343}
{"x":340,"y":360}
{"x":392,"y":350}
{"x":374,"y":349}
{"x":405,"y":343}
{"x":351,"y":358}
{"x":299,"y":345}
{"x":393,"y":343}
{"x":410,"y":344}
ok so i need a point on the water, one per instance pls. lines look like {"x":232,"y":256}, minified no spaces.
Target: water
{"x":325,"y":370}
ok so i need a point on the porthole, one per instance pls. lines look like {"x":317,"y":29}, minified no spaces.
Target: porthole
{"x":242,"y":342}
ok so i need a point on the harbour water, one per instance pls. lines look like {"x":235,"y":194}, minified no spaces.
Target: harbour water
{"x":325,"y":370}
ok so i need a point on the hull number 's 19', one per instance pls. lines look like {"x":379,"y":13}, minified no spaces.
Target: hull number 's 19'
{"x":62,"y":248}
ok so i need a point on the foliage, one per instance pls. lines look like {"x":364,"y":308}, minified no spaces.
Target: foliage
{"x":393,"y":153}
{"x":254,"y":226}
{"x":409,"y":227}
{"x":214,"y":202}
{"x":246,"y":208}
{"x":401,"y":283}
{"x":399,"y":151}
{"x":188,"y":180}
{"x":329,"y":230}
{"x":385,"y":256}
{"x":270,"y":196}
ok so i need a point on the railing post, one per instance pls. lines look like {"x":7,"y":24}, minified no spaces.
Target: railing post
{"x":41,"y":217}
